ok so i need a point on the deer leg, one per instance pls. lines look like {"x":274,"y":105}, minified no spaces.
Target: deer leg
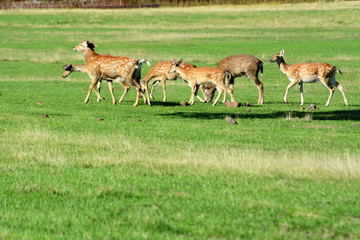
{"x":137,"y":86}
{"x":111,"y":89}
{"x":156,"y":82}
{"x":138,"y":89}
{"x":163,"y":81}
{"x":144,"y":83}
{"x":126,"y":89}
{"x":326,"y":82}
{"x":220,"y":90}
{"x":98,"y":89}
{"x":208,"y":91}
{"x":193,"y":90}
{"x":287,"y":89}
{"x":340,"y":87}
{"x":301,"y":88}
{"x":137,"y":97}
{"x":92,"y":87}
{"x":197,"y":95}
{"x":202,"y":90}
{"x":200,"y":99}
{"x":135,"y":82}
{"x":230,"y":91}
{"x":331,"y":89}
{"x":143,"y":95}
{"x":224,"y":100}
{"x":259,"y":85}
{"x":231,"y":85}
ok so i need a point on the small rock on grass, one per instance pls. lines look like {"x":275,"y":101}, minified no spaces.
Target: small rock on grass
{"x":45,"y":116}
{"x":230,"y":120}
{"x":232,"y":104}
{"x":137,"y":120}
{"x":99,"y":119}
{"x":313,"y":107}
{"x":183,"y":103}
{"x":247,"y":104}
{"x":40,"y":103}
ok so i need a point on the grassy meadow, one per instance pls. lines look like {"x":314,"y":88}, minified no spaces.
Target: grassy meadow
{"x":169,"y":171}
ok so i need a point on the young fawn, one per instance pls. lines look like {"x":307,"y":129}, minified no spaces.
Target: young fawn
{"x":160,"y":73}
{"x":204,"y":75}
{"x":309,"y":73}
{"x":107,"y":67}
{"x":69,"y":68}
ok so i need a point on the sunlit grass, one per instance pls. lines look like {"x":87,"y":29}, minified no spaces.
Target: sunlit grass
{"x":97,"y":170}
{"x":61,"y":149}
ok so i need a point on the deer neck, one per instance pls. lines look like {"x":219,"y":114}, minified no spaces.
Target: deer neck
{"x":181,"y":72}
{"x":282,"y":65}
{"x":89,"y":55}
{"x":79,"y":68}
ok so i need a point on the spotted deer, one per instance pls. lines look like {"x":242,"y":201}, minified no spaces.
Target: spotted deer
{"x":113,"y":68}
{"x":203,"y":75}
{"x":309,"y":73}
{"x":69,"y":68}
{"x":160,"y":73}
{"x":244,"y":66}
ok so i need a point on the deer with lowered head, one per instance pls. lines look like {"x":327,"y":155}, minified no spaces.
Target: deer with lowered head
{"x":203,"y":75}
{"x":69,"y":68}
{"x":160,"y":73}
{"x":113,"y":68}
{"x":243,"y":66}
{"x":309,"y":73}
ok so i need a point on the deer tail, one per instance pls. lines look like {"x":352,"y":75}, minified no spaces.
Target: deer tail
{"x":261,"y":67}
{"x":141,"y":61}
{"x":338,"y":70}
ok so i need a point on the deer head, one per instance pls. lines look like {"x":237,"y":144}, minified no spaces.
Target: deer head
{"x":85,"y":45}
{"x":175,"y":66}
{"x":67,"y":70}
{"x":278,"y":57}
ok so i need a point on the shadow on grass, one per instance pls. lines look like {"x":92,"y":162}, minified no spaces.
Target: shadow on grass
{"x":328,"y":115}
{"x":165,"y":104}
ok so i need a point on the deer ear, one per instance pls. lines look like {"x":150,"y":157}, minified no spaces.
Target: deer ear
{"x":282,"y":53}
{"x":179,"y":62}
{"x":67,"y":67}
{"x":91,"y":45}
{"x":174,"y":62}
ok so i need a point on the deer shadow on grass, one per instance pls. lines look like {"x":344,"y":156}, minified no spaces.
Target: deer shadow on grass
{"x":327,"y":115}
{"x":165,"y":104}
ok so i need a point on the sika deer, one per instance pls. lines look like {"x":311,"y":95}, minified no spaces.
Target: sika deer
{"x":102,"y":66}
{"x":203,"y":75}
{"x":69,"y":68}
{"x":160,"y":72}
{"x":243,"y":66}
{"x":309,"y":73}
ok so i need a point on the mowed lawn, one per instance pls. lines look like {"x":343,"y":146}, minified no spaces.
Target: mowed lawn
{"x":101,"y":171}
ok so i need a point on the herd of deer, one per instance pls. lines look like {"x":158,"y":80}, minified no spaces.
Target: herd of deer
{"x":128,"y":72}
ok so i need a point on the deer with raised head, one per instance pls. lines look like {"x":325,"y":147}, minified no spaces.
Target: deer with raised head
{"x":204,"y":75}
{"x":160,"y":73}
{"x":113,"y":68}
{"x":244,"y":66}
{"x":69,"y":68}
{"x":309,"y":73}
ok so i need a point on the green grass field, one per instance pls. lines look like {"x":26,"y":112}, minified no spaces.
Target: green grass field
{"x":174,"y":172}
